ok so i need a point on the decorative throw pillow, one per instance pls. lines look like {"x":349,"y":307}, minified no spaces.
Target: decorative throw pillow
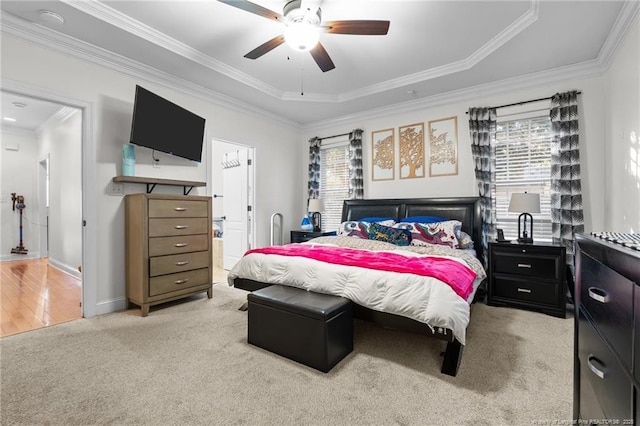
{"x":359,"y":229}
{"x":399,"y":237}
{"x":441,"y":233}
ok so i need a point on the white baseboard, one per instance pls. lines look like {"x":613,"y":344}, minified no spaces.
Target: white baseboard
{"x":113,"y":305}
{"x":73,"y":271}
{"x":12,"y":256}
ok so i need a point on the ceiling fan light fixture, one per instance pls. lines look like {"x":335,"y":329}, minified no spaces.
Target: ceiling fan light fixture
{"x":302,"y":36}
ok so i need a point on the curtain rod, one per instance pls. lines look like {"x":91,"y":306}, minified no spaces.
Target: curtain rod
{"x":525,"y":102}
{"x":334,"y":136}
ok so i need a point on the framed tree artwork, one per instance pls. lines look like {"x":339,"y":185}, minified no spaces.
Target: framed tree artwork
{"x":443,"y":147}
{"x":411,"y":144}
{"x":382,"y":155}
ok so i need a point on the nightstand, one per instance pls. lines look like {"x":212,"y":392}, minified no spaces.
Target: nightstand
{"x":531,"y":276}
{"x":302,"y":236}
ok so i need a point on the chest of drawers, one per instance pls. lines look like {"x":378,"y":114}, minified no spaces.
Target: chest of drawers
{"x":168,"y":248}
{"x":606,"y":346}
{"x":530,"y":276}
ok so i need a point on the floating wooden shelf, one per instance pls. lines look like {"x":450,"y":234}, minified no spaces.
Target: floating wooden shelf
{"x":152,"y":182}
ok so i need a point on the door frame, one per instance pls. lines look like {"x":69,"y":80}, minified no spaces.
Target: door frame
{"x":43,"y":210}
{"x":89,"y":276}
{"x":251,"y":195}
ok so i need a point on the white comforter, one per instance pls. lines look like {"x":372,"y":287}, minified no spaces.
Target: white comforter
{"x":424,"y":299}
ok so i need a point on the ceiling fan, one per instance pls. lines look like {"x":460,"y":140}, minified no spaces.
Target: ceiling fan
{"x":303,"y":24}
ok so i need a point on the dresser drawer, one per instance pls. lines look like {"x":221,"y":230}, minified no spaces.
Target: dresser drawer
{"x":162,"y":265}
{"x":179,"y":226}
{"x":159,"y":246}
{"x":609,"y":303}
{"x":180,"y":281}
{"x":525,"y":290}
{"x":178,"y":208}
{"x":600,"y":370}
{"x":528,"y":264}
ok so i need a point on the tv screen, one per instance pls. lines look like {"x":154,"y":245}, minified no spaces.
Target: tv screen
{"x":161,"y":125}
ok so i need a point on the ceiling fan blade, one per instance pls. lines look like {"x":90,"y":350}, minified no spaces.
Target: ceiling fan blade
{"x":265,"y":47}
{"x":247,"y":6}
{"x":322,"y":58}
{"x":357,"y":27}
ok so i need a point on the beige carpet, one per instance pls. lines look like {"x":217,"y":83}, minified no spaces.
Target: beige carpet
{"x":189,"y":363}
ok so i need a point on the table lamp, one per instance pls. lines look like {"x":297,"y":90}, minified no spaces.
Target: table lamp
{"x":525,"y":204}
{"x":315,"y":207}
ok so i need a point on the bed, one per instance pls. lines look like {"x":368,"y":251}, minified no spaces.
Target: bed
{"x":445,"y":327}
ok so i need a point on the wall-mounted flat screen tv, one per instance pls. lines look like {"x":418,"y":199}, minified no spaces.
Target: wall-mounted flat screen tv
{"x":161,"y":125}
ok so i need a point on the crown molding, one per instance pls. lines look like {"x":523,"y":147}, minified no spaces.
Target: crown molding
{"x":62,"y":43}
{"x":627,"y":16}
{"x":119,"y":20}
{"x":527,"y":81}
{"x":62,"y":115}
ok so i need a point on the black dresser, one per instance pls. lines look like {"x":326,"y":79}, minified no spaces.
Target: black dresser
{"x":607,"y":332}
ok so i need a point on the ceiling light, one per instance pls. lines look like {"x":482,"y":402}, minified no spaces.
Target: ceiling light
{"x":9,"y":119}
{"x":19,"y":104}
{"x":51,"y":17}
{"x":301,"y":36}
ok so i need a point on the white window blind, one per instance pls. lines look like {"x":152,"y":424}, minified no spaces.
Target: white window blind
{"x":523,"y":163}
{"x":334,"y":183}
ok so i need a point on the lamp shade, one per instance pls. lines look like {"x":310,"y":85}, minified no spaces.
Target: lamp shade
{"x":524,"y":203}
{"x":315,"y":205}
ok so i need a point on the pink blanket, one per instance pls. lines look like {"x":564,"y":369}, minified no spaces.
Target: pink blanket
{"x":458,"y":276}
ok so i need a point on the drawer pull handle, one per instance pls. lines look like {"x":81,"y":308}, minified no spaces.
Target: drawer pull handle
{"x":181,"y":281}
{"x":599,"y":369}
{"x":184,"y":262}
{"x":523,"y":290}
{"x":181,"y":244}
{"x":180,"y":209}
{"x":524,"y":265}
{"x":598,"y":294}
{"x":181,"y":226}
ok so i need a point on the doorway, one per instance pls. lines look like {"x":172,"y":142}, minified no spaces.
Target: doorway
{"x":232,"y":175}
{"x":42,"y":161}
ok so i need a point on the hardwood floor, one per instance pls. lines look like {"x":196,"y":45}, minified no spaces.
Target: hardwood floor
{"x":34,"y":294}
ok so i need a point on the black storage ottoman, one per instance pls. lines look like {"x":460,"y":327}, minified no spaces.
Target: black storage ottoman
{"x":311,"y":328}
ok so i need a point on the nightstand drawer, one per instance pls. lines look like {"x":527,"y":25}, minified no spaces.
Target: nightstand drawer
{"x":525,"y":290}
{"x":528,"y":264}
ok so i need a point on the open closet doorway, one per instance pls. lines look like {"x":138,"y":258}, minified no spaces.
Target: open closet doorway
{"x":232,"y":186}
{"x":41,"y":244}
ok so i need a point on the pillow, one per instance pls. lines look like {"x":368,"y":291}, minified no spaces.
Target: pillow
{"x":384,"y":220}
{"x":424,"y":219}
{"x":441,"y":233}
{"x":399,"y":237}
{"x":465,"y":240}
{"x":359,"y":229}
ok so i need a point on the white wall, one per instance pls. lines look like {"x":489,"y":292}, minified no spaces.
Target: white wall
{"x":592,"y":133}
{"x":622,"y":142}
{"x":62,"y":141}
{"x":110,"y":96}
{"x":19,"y":174}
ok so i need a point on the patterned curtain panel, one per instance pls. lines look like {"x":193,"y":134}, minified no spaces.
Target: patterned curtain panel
{"x":482,"y":128}
{"x":356,"y":180}
{"x":314,"y":167}
{"x":566,"y":189}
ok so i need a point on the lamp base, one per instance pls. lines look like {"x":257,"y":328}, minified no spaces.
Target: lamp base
{"x":525,"y":240}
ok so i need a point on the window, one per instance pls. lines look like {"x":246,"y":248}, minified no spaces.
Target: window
{"x":334,"y":182}
{"x":523,"y":163}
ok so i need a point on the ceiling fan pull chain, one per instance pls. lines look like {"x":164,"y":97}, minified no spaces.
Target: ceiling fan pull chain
{"x":301,"y":75}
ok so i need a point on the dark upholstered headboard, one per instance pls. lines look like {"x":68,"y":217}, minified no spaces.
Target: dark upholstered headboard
{"x":464,"y":209}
